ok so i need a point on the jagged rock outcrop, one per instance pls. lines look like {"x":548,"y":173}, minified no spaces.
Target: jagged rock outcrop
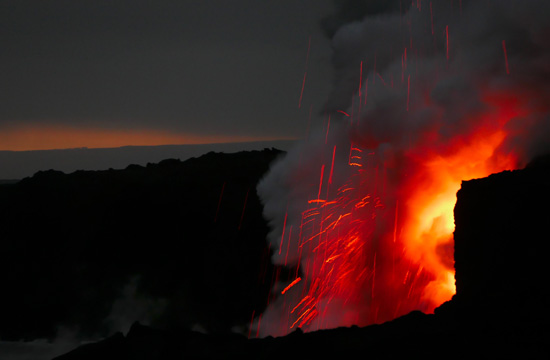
{"x":160,"y":222}
{"x":191,"y":232}
{"x":502,"y":231}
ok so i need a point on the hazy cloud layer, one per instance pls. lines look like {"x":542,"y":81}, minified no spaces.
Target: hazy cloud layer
{"x":225,"y":67}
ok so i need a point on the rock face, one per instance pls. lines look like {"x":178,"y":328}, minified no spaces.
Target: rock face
{"x":501,"y":309}
{"x":189,"y":235}
{"x":502,"y":232}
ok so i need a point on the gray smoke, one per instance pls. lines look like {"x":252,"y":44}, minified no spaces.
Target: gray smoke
{"x":446,"y":97}
{"x":416,"y":74}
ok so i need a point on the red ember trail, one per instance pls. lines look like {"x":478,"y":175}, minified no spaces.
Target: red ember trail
{"x":505,"y":56}
{"x":305,"y":73}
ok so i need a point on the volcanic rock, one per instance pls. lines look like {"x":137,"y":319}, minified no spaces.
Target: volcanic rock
{"x":150,"y":221}
{"x":500,"y":258}
{"x":187,"y":234}
{"x":501,"y":308}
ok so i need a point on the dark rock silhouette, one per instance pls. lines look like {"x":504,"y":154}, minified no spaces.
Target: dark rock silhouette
{"x":500,"y":258}
{"x":501,"y":309}
{"x":20,"y":164}
{"x":71,"y":242}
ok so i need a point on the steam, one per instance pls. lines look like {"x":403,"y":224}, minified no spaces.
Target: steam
{"x":417,"y":80}
{"x":41,"y":349}
{"x":131,"y":306}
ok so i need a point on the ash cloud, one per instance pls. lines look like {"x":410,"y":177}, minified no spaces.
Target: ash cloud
{"x":425,"y":75}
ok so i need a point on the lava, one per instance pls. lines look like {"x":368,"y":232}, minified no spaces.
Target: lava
{"x":367,"y":259}
{"x":430,"y":195}
{"x":368,"y":208}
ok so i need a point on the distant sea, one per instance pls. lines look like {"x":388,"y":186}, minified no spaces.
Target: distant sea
{"x":16,"y":165}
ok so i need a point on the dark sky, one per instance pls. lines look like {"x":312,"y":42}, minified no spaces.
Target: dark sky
{"x":132,"y":71}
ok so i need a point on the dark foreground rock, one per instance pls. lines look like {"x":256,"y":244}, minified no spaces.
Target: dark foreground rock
{"x":416,"y":336}
{"x":501,"y":309}
{"x":176,"y":235}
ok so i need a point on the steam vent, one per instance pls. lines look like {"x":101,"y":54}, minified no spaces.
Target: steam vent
{"x":500,"y":310}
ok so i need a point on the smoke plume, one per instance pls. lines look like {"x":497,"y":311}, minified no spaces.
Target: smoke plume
{"x":426,"y":94}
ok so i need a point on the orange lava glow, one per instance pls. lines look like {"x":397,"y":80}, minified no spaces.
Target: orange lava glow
{"x":374,"y":249}
{"x":429,"y":223}
{"x":40,"y":137}
{"x":430,"y":192}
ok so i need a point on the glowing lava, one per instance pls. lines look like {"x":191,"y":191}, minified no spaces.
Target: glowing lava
{"x":363,"y":210}
{"x":377,"y":246}
{"x":429,"y":223}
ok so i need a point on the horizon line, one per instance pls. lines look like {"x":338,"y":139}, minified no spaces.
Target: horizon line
{"x":290,"y":139}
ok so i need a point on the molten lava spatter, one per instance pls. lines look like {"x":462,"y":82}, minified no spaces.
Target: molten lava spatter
{"x":368,"y":254}
{"x":363,"y":211}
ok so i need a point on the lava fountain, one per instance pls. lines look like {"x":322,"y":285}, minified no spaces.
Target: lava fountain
{"x":362,"y":212}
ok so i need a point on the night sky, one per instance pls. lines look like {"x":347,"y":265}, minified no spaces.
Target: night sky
{"x":132,"y":72}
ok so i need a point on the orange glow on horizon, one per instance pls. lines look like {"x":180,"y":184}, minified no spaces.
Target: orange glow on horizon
{"x":57,"y":137}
